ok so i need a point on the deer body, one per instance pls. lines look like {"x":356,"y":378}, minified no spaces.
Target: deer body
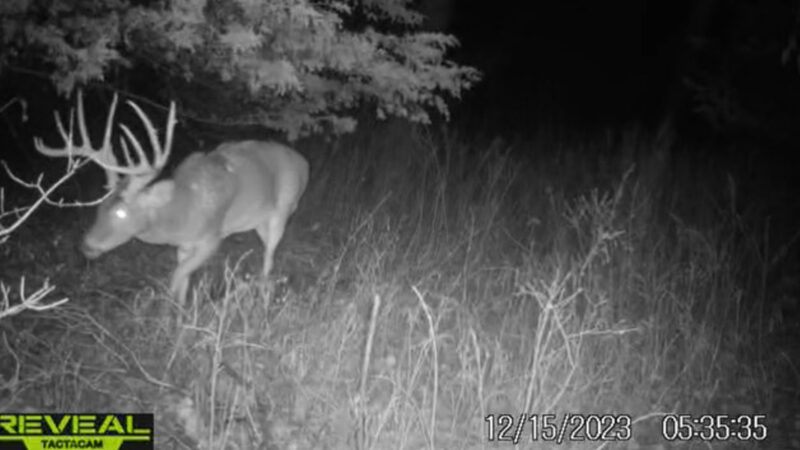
{"x":240,"y":186}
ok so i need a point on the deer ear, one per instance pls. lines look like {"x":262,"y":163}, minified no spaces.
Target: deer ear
{"x":157,"y":195}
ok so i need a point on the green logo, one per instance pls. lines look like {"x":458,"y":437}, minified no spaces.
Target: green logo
{"x":76,"y":431}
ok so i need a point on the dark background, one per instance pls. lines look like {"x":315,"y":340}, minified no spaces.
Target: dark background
{"x":590,"y":65}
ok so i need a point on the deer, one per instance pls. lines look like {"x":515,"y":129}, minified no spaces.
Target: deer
{"x":238,"y":187}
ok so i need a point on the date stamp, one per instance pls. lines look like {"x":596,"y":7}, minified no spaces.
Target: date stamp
{"x":557,"y":428}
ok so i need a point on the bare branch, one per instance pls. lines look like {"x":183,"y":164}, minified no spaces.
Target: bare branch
{"x":19,"y":214}
{"x":22,"y":213}
{"x":22,"y":103}
{"x":32,"y":301}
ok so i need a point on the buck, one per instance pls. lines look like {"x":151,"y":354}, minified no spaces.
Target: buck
{"x":240,"y":186}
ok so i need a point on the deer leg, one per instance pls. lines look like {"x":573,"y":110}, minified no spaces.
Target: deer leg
{"x":189,"y":259}
{"x":271,"y":233}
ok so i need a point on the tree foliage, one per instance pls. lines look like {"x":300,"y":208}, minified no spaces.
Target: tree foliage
{"x":293,"y":65}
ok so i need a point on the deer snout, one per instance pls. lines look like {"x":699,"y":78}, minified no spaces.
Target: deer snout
{"x":89,"y":250}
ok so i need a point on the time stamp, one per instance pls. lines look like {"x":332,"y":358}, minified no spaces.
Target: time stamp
{"x":559,"y":428}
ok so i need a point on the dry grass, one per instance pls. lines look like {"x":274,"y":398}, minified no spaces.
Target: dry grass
{"x":435,"y":284}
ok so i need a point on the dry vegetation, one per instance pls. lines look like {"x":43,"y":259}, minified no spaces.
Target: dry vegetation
{"x":431,"y":281}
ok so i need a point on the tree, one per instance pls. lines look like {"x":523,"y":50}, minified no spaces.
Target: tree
{"x":299,"y":66}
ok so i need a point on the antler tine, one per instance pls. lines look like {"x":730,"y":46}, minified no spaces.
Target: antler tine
{"x":171,"y":121}
{"x":68,"y":149}
{"x":127,"y":154}
{"x":103,"y":156}
{"x":67,"y":137}
{"x":86,"y":143}
{"x":142,"y":165}
{"x":106,"y":149}
{"x":160,"y":153}
{"x":85,"y":149}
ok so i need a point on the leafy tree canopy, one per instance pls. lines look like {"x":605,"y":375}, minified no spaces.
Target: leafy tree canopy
{"x":294,"y":65}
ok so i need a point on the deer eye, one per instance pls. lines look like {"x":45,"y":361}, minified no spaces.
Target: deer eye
{"x":121,"y":213}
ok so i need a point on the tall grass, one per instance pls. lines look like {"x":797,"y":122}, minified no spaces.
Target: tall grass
{"x":438,"y":282}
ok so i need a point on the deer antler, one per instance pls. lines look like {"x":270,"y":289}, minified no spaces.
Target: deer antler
{"x":103,"y":156}
{"x":140,"y":169}
{"x":143,"y":170}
